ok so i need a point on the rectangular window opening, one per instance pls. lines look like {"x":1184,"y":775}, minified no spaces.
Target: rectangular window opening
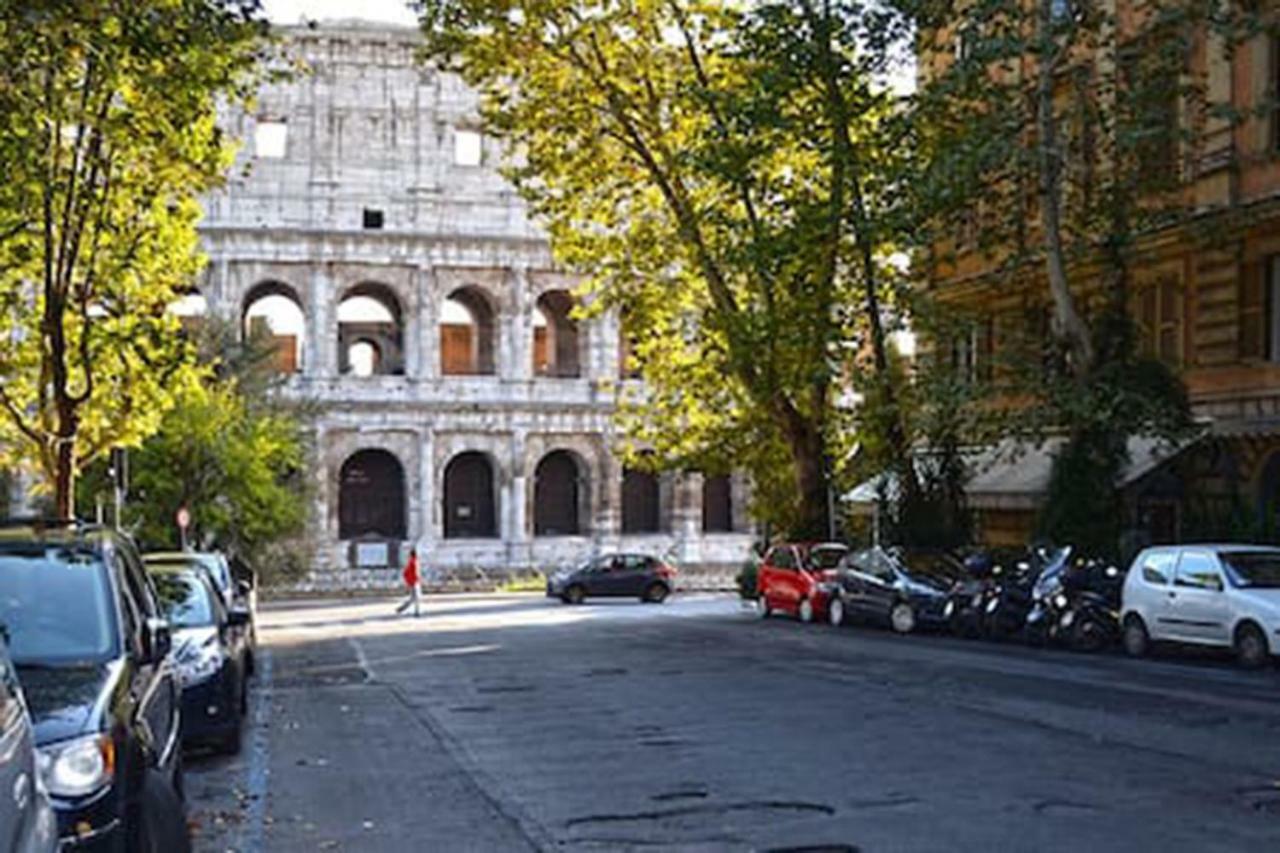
{"x":468,"y":147}
{"x":373,"y":219}
{"x":270,"y":139}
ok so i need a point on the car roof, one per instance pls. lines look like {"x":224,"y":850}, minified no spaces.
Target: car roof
{"x":54,"y":532}
{"x":1238,"y":547}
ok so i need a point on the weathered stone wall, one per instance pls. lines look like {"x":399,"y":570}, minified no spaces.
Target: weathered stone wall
{"x":368,"y":129}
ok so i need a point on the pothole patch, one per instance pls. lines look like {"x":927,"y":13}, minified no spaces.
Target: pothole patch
{"x":472,"y":709}
{"x":1064,"y":808}
{"x":817,"y":848}
{"x":756,"y":807}
{"x":506,"y":688}
{"x":688,"y":792}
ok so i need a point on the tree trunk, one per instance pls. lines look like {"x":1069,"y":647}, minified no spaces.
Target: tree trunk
{"x":64,"y":479}
{"x":808,"y":454}
{"x":1067,"y":322}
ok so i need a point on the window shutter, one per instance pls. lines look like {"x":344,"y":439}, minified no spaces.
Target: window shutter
{"x":1252,"y":338}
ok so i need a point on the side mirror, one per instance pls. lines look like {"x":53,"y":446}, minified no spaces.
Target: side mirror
{"x":157,"y":640}
{"x":237,"y":617}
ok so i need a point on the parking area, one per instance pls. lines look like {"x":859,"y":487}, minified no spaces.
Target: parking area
{"x":513,"y":722}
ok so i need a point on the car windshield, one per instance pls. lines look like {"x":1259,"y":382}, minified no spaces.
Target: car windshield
{"x":826,"y":556}
{"x":185,"y":599}
{"x":56,"y":605}
{"x":217,"y":567}
{"x":1253,"y":569}
{"x":931,"y":564}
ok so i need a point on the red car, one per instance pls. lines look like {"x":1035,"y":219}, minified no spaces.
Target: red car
{"x":797,"y":578}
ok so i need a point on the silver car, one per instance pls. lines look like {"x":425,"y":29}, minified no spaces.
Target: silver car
{"x":27,"y":823}
{"x":1209,"y":595}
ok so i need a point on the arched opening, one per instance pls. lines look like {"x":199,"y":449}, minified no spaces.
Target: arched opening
{"x":364,"y":357}
{"x":468,"y":332}
{"x":369,"y":316}
{"x":273,"y":315}
{"x":555,"y":336}
{"x":470,"y":500}
{"x":371,"y":496}
{"x":560,"y":495}
{"x":717,"y":504}
{"x":639,"y":502}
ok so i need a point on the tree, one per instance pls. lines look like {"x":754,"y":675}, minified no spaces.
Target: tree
{"x":723,"y":176}
{"x":109,"y":137}
{"x":230,"y":449}
{"x":1058,"y":134}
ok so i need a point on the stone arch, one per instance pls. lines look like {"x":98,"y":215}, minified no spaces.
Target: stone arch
{"x":557,"y":339}
{"x":371,"y":496}
{"x":717,"y":503}
{"x":471,"y":497}
{"x":641,"y":502}
{"x":371,"y":313}
{"x":469,"y":333}
{"x":561,"y":495}
{"x":272,"y":310}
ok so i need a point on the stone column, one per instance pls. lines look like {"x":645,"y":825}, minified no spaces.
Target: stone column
{"x":428,"y":321}
{"x":515,"y":510}
{"x":426,"y":529}
{"x":411,"y":331}
{"x":323,"y":529}
{"x":322,"y":327}
{"x":517,"y":329}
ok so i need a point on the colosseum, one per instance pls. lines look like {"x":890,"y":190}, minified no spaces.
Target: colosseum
{"x":461,"y":405}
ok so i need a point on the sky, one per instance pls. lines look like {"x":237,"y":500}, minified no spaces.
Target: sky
{"x":291,"y":11}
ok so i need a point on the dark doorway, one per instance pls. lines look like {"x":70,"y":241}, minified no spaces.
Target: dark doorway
{"x":557,"y":495}
{"x":371,"y":496}
{"x":717,"y":504}
{"x":639,"y":502}
{"x":470,"y":511}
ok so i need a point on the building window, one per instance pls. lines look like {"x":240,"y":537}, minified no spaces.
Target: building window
{"x":372,"y":219}
{"x":467,"y":147}
{"x":1260,"y":312}
{"x":270,"y":139}
{"x":1159,"y":320}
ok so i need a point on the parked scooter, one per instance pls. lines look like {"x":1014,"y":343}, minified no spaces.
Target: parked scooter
{"x":1012,"y":598}
{"x":964,"y":609}
{"x":1077,"y":606}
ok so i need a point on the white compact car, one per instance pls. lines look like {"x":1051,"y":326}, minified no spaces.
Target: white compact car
{"x":1212,"y":595}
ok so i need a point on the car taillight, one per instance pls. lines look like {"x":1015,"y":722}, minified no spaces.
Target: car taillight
{"x":665,"y":571}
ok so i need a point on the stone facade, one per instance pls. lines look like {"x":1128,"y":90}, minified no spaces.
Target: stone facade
{"x":373,"y":194}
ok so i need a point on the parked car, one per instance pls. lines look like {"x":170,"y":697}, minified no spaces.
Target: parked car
{"x":796,"y":578}
{"x":619,"y":575}
{"x":1209,"y":595}
{"x":236,"y":593}
{"x":27,"y":824}
{"x":92,"y":651}
{"x":899,"y":587}
{"x":210,"y":654}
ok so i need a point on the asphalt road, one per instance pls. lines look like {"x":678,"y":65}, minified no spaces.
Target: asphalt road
{"x":515,"y":723}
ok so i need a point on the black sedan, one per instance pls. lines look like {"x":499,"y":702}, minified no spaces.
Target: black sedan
{"x":899,"y":587}
{"x":210,"y":654}
{"x":626,"y":575}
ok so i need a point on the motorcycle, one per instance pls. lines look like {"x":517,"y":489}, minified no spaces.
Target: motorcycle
{"x":1077,"y":605}
{"x":1011,"y":600}
{"x":964,"y":608}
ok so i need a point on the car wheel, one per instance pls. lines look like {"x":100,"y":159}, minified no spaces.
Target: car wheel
{"x":575,"y":594}
{"x":835,"y":612}
{"x":902,"y":618}
{"x":1251,"y":646}
{"x":805,"y":610}
{"x":656,"y":593}
{"x":1137,"y":642}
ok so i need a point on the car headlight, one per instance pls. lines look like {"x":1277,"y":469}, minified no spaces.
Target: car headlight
{"x":1059,"y":600}
{"x":948,"y":608}
{"x":76,"y":768}
{"x":993,"y":605}
{"x":199,"y":663}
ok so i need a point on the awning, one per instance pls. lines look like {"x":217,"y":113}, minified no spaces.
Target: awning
{"x":1015,"y":476}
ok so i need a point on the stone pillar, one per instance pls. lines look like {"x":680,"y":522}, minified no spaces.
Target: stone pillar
{"x":515,"y":361}
{"x":324,"y":530}
{"x":608,"y":513}
{"x":515,"y":509}
{"x":428,"y":320}
{"x":323,"y":326}
{"x":426,"y":529}
{"x":412,"y":331}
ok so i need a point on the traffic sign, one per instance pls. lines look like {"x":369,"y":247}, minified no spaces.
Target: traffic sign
{"x":184,"y":517}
